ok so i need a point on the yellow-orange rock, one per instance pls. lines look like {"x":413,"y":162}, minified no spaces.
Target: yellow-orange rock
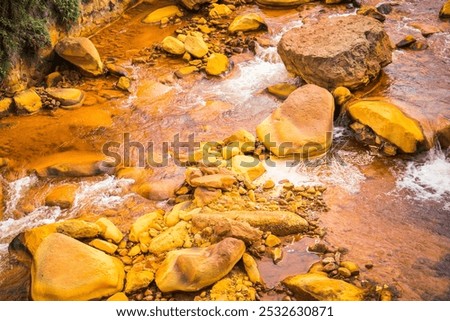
{"x":78,"y":229}
{"x":28,"y":101}
{"x":109,"y":231}
{"x":193,"y":269}
{"x":71,"y":163}
{"x":316,"y":286}
{"x":389,"y":122}
{"x":247,"y":165}
{"x":62,"y":196}
{"x":161,"y":13}
{"x":65,"y":269}
{"x":119,"y":296}
{"x":302,"y":125}
{"x":81,"y":52}
{"x":138,"y":277}
{"x":247,"y":22}
{"x":33,"y":238}
{"x":144,"y":223}
{"x":170,"y":239}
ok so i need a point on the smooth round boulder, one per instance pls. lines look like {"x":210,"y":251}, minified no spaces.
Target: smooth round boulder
{"x":81,"y":52}
{"x":345,"y":51}
{"x":65,"y":269}
{"x":302,"y":125}
{"x":193,"y":269}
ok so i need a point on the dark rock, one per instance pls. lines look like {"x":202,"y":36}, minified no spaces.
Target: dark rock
{"x":384,"y":8}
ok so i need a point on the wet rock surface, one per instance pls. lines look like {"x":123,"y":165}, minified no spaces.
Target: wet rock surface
{"x":341,"y":51}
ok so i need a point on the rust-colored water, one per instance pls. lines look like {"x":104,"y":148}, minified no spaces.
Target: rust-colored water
{"x":406,"y":239}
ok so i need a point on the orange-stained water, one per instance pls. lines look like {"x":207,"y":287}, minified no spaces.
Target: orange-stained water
{"x":404,"y":237}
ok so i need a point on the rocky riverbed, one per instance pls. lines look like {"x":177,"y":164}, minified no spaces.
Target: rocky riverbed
{"x":216,"y":218}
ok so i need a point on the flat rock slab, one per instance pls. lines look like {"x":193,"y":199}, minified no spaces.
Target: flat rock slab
{"x":317,"y":286}
{"x":340,"y":51}
{"x":68,"y":97}
{"x":280,"y":223}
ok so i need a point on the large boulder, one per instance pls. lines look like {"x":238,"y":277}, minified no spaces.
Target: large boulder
{"x":388,"y":121}
{"x":66,"y":269}
{"x":193,"y":269}
{"x":340,"y":51}
{"x":81,"y":52}
{"x":318,"y":287}
{"x":302,"y":125}
{"x":279,"y":223}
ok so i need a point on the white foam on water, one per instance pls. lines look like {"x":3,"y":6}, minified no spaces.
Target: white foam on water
{"x":250,"y":77}
{"x":40,"y":216}
{"x":335,"y":169}
{"x":106,"y":193}
{"x":16,"y":190}
{"x":427,"y":179}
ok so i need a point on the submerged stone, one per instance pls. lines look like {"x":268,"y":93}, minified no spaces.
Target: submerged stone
{"x":62,"y":196}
